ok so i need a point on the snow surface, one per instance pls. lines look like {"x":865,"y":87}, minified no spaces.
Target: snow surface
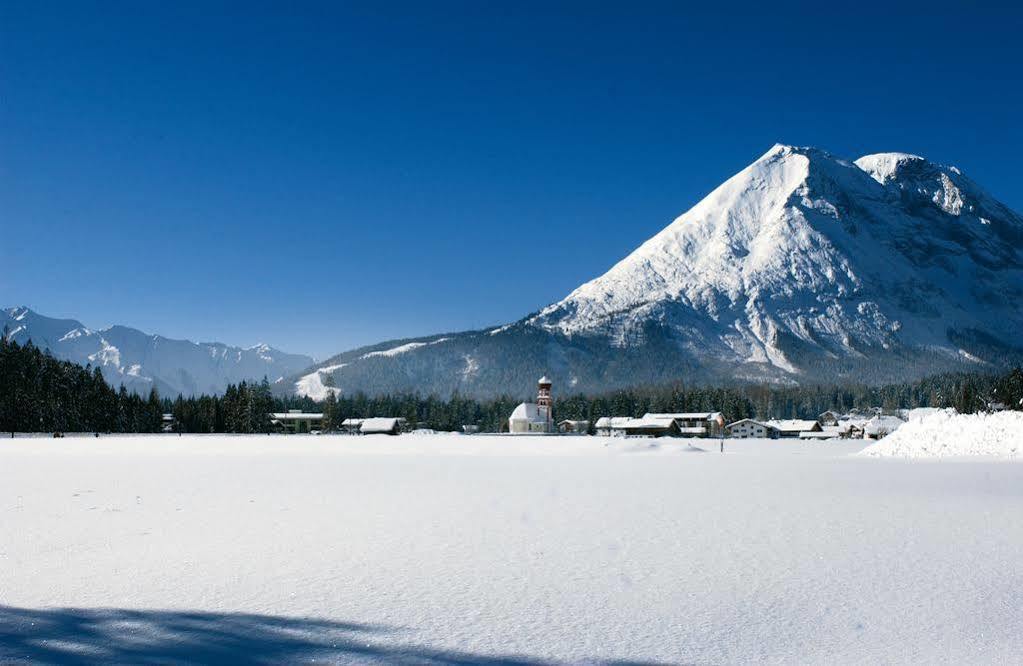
{"x":453,"y":549}
{"x":946,"y":434}
{"x":402,"y":349}
{"x":312,"y":385}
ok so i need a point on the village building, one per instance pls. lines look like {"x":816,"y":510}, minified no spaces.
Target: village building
{"x":534,"y":417}
{"x":826,"y":432}
{"x":828,"y":418}
{"x":688,"y":424}
{"x":791,"y":428}
{"x":694,"y":424}
{"x":851,"y":428}
{"x":750,"y":429}
{"x":609,"y":426}
{"x":574,"y":427}
{"x":351,"y":426}
{"x":295,"y":421}
{"x":383,"y":426}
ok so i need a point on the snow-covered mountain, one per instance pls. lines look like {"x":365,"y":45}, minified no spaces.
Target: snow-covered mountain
{"x":801,"y":268}
{"x":141,"y":361}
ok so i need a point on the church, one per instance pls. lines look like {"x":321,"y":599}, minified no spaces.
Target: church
{"x":534,"y":418}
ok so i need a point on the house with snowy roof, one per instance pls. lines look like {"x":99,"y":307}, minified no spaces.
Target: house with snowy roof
{"x":296,"y":421}
{"x":609,"y":426}
{"x":791,"y":428}
{"x":750,"y":429}
{"x":688,"y":424}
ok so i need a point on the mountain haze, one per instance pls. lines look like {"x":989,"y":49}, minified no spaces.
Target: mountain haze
{"x":141,"y":361}
{"x":801,"y":268}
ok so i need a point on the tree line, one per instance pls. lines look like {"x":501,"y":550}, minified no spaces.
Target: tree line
{"x":39,"y":393}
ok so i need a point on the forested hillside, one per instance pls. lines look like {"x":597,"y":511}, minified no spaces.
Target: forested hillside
{"x":41,"y":394}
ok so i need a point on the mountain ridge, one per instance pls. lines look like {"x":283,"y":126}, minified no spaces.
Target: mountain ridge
{"x":142,"y":361}
{"x":801,"y":267}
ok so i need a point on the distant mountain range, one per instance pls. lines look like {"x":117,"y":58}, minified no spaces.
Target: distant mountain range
{"x":141,"y":361}
{"x":801,"y":268}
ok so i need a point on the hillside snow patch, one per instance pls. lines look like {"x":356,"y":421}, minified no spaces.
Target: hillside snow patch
{"x":947,"y":434}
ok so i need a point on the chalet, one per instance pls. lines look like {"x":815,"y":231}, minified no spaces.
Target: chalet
{"x":749,"y":428}
{"x":295,"y":421}
{"x":645,"y":427}
{"x":574,"y":427}
{"x":828,"y":418}
{"x":693,"y":424}
{"x":383,"y":426}
{"x":851,"y":428}
{"x":826,"y":432}
{"x":610,"y":426}
{"x":351,"y":426}
{"x":791,"y":428}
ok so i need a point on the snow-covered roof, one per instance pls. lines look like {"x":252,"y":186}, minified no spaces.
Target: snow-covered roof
{"x":297,"y":416}
{"x":759,"y":423}
{"x":794,"y":425}
{"x":544,"y":380}
{"x":612,"y":421}
{"x":527,"y":411}
{"x":379,"y":424}
{"x":686,"y":416}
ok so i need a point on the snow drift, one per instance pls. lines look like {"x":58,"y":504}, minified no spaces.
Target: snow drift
{"x":947,"y":434}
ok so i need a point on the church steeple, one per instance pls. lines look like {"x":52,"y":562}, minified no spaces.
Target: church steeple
{"x":543,"y":401}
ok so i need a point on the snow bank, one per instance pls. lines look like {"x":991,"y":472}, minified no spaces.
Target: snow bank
{"x":945,"y":434}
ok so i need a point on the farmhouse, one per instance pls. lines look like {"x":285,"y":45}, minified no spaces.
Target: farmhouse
{"x":574,"y":427}
{"x":828,"y":418}
{"x":608,"y":426}
{"x":694,"y":424}
{"x":534,"y":417}
{"x":791,"y":428}
{"x":749,"y":428}
{"x":351,"y":426}
{"x":296,"y":421}
{"x":383,"y":426}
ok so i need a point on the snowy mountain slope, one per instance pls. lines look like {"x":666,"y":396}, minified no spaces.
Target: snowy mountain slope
{"x":803,"y":267}
{"x":141,"y":361}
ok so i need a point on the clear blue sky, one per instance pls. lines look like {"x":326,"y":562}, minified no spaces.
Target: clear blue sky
{"x":324,"y":176}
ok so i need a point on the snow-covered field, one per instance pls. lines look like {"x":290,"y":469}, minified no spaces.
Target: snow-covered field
{"x":448,"y":549}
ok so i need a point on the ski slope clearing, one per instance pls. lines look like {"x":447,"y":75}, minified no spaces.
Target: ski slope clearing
{"x":486,"y":549}
{"x":947,"y":434}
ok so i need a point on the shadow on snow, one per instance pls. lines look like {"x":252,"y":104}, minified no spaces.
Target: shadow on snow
{"x":118,"y":636}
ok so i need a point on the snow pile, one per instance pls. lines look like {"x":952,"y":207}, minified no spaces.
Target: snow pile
{"x":946,"y":434}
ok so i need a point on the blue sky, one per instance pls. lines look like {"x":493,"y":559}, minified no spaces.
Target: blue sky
{"x":324,"y":176}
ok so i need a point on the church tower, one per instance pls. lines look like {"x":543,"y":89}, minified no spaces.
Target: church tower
{"x":543,"y":402}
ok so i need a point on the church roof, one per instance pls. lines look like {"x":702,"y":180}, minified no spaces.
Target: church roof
{"x":527,"y":411}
